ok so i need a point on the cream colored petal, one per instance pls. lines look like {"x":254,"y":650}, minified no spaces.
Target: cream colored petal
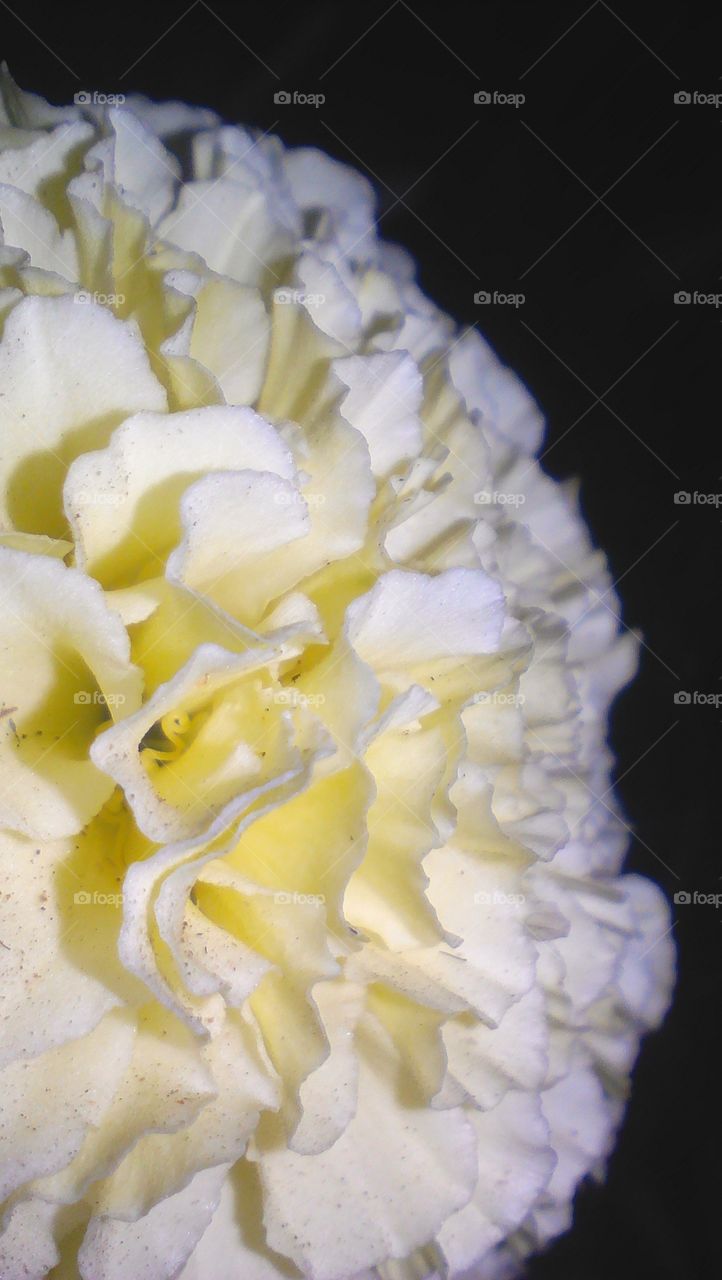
{"x":137,"y":944}
{"x":422,"y":329}
{"x":178,"y":797}
{"x":28,"y":225}
{"x":239,"y":230}
{"x":330,"y":511}
{"x":171,"y":120}
{"x":190,"y":384}
{"x":339,"y":492}
{"x":581,"y":1123}
{"x":136,"y":604}
{"x":313,"y":843}
{"x":144,"y":171}
{"x":230,"y":337}
{"x":529,"y":808}
{"x":440,"y":529}
{"x":384,"y":1188}
{"x":550,"y":698}
{"x":27,"y":1244}
{"x":386,"y":896}
{"x":66,"y":671}
{"x":333,"y":455}
{"x":238,"y":527}
{"x":234,"y":1245}
{"x":241,"y":151}
{"x":601,"y":923}
{"x":320,"y":184}
{"x":481,"y":904}
{"x":290,"y":931}
{"x":484,"y":1062}
{"x":48,"y":156}
{"x":330,"y":302}
{"x":70,"y":373}
{"x":415,"y":1031}
{"x":157,"y":1245}
{"x":295,"y":608}
{"x":495,"y":391}
{"x":298,"y":386}
{"x":328,"y":1096}
{"x":59,"y":921}
{"x":161,"y":1164}
{"x":51,"y":1101}
{"x":161,"y":1089}
{"x":25,"y":111}
{"x":409,"y":618}
{"x":516,"y":1161}
{"x":475,"y":895}
{"x":36,"y":544}
{"x":123,"y":503}
{"x":208,"y":959}
{"x":648,"y":965}
{"x":382,"y":402}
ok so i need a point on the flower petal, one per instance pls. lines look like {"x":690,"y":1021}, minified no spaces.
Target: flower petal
{"x":70,"y":374}
{"x":66,"y":670}
{"x":50,"y":1102}
{"x":157,"y":1245}
{"x":384,"y":1188}
{"x":123,"y":502}
{"x":516,"y":1162}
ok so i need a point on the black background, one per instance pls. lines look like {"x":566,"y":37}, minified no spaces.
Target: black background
{"x":628,"y":380}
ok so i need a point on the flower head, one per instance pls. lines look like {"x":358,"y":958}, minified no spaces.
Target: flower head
{"x":317,"y":958}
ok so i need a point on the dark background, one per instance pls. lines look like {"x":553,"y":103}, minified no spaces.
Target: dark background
{"x":596,"y":199}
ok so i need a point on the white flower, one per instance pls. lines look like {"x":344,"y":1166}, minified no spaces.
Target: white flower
{"x":317,"y":958}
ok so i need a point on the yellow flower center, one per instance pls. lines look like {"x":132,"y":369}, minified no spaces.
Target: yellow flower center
{"x":166,"y":740}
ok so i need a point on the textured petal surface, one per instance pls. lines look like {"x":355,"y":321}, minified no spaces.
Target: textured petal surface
{"x":70,"y":374}
{"x":401,"y":1172}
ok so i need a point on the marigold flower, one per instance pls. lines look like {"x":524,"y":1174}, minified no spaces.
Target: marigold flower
{"x":316,"y":956}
